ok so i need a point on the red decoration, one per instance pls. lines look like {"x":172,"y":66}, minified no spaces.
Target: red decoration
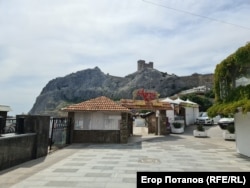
{"x":147,"y":95}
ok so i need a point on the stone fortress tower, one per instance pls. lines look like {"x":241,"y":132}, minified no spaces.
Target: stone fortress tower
{"x":141,"y":64}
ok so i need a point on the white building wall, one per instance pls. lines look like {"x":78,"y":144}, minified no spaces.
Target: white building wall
{"x":97,"y":121}
{"x":242,"y":131}
{"x":170,"y":115}
{"x":196,"y":113}
{"x":188,"y":115}
{"x":191,"y":114}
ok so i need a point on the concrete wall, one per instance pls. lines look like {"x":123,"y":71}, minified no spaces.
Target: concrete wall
{"x":32,"y":143}
{"x":16,"y":149}
{"x":140,"y":130}
{"x":242,"y":131}
{"x":40,"y":125}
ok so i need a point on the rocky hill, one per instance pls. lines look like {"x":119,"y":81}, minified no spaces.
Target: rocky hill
{"x":90,"y":83}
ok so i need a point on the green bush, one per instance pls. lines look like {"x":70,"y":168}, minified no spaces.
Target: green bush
{"x":200,"y":128}
{"x":231,"y":129}
{"x":229,"y":97}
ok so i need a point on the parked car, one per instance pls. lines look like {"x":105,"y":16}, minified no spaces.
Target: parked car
{"x":204,"y":119}
{"x":225,"y":121}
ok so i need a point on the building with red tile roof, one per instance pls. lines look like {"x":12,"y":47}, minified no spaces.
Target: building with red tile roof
{"x":104,"y":120}
{"x":99,"y":120}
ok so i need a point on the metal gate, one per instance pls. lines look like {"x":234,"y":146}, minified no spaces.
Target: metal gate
{"x":7,"y":125}
{"x":59,"y":135}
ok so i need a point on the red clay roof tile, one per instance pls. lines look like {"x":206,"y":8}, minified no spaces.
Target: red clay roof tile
{"x":97,"y":104}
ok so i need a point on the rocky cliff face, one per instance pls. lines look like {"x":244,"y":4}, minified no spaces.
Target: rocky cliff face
{"x":90,"y":83}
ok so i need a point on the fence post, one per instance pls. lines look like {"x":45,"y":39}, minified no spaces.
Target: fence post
{"x":51,"y":136}
{"x":20,"y":125}
{"x":69,"y":122}
{"x":1,"y":125}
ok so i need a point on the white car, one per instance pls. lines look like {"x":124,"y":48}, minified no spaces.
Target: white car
{"x":204,"y":119}
{"x":225,"y":122}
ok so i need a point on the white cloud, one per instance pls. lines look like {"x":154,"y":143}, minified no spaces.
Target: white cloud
{"x":44,"y":39}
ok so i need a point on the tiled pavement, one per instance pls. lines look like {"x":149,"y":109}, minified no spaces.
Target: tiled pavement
{"x":115,"y":165}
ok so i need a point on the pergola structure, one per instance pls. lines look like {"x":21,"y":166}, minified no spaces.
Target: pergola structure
{"x":153,"y":105}
{"x":146,"y":105}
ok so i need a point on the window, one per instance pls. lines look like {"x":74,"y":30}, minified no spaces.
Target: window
{"x":97,"y":121}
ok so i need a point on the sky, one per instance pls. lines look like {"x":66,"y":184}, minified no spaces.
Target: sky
{"x":41,"y":40}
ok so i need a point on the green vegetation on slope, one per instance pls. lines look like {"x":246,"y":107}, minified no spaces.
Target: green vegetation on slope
{"x":228,"y":97}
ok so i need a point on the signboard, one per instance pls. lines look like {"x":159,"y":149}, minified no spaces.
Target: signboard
{"x":146,"y":95}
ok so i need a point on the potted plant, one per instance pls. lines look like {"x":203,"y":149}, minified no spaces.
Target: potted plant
{"x":200,"y":131}
{"x":231,"y":129}
{"x":177,"y":127}
{"x":229,"y":133}
{"x":200,"y":128}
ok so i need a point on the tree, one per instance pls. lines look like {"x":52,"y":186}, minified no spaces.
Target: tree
{"x":228,"y":96}
{"x":204,"y":102}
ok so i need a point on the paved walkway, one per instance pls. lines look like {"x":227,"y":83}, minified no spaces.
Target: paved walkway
{"x":115,"y":165}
